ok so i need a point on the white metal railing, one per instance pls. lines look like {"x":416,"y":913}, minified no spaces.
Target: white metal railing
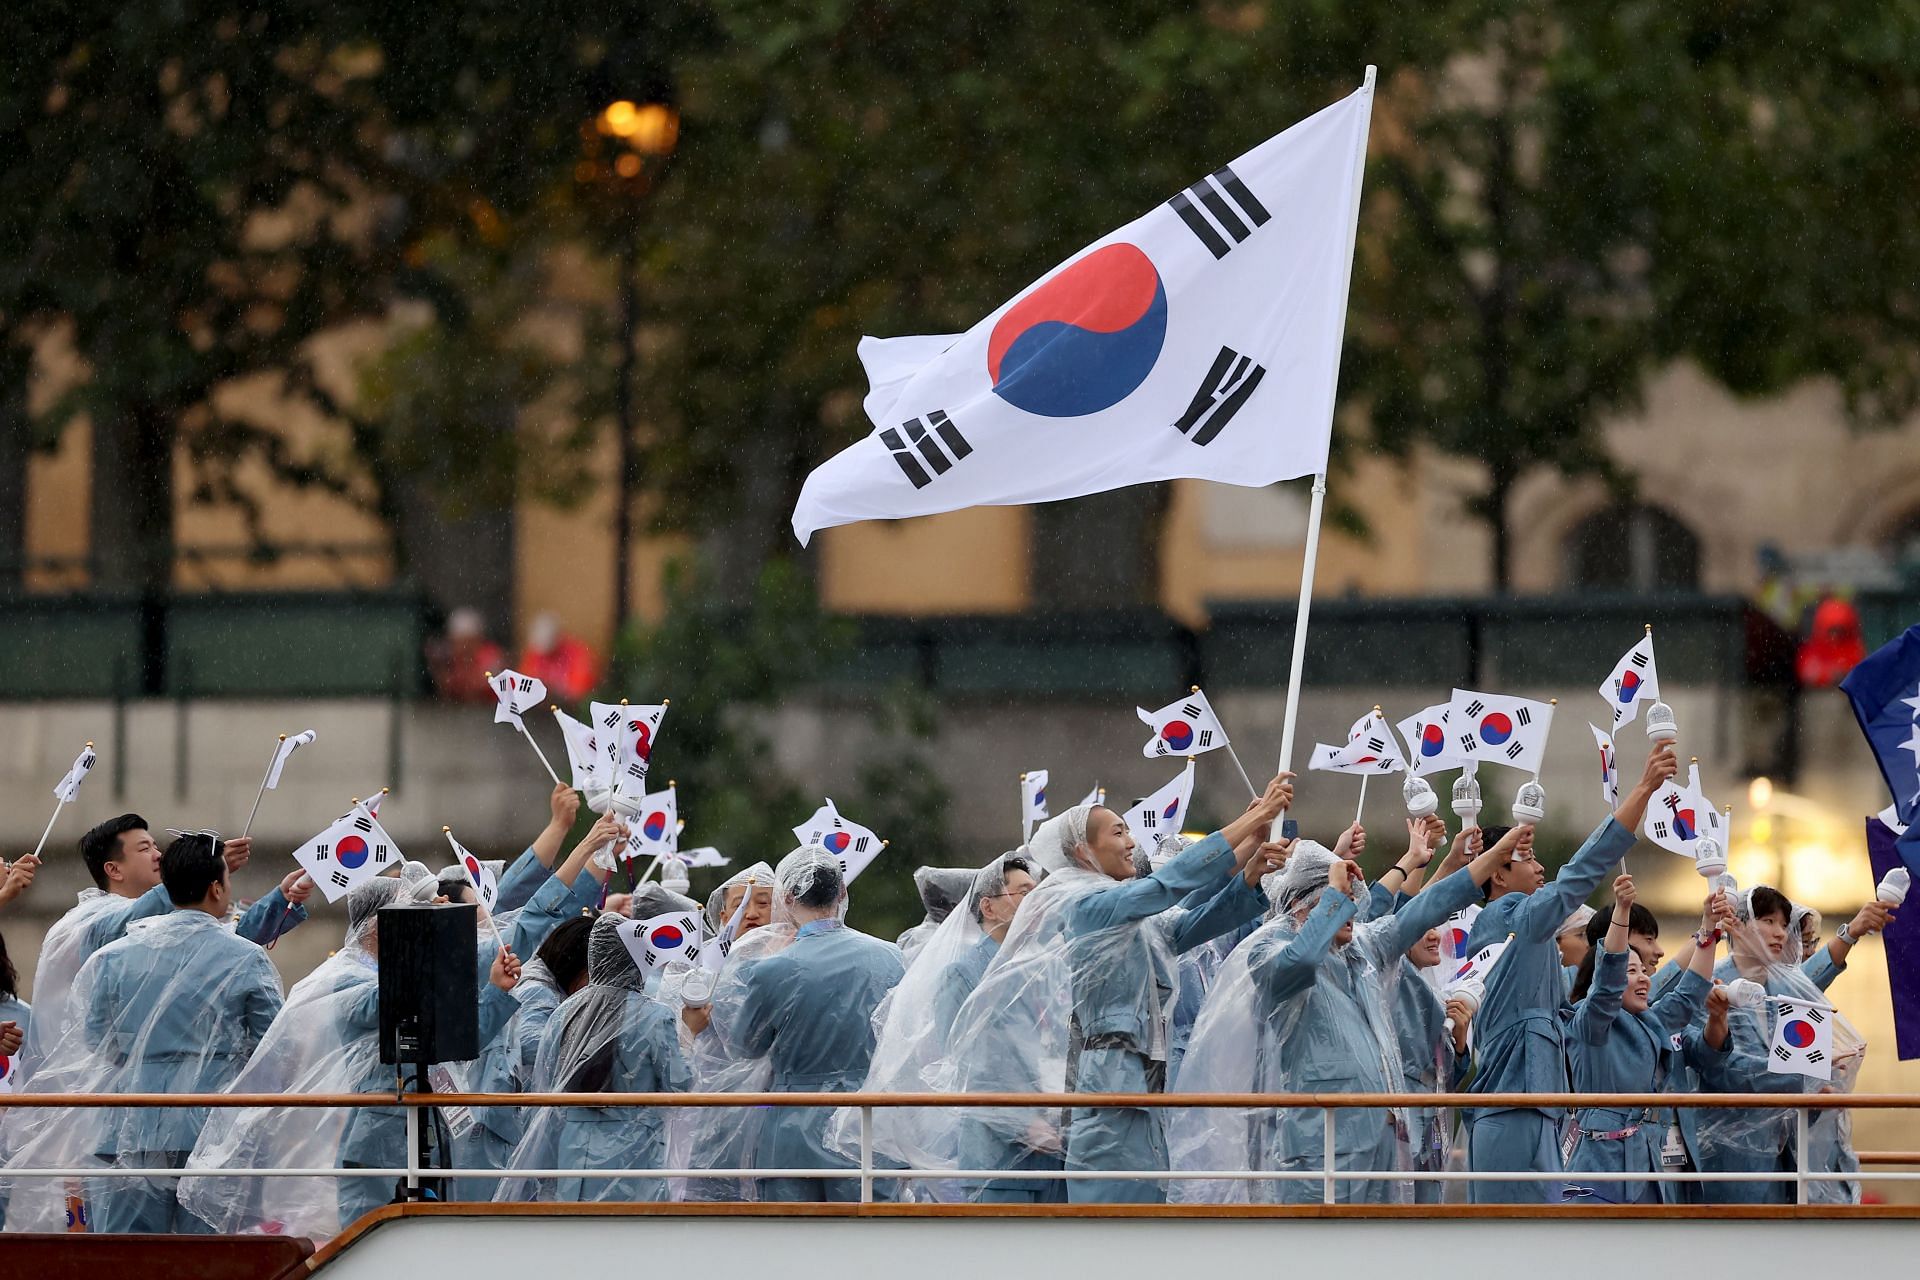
{"x":868,"y":1173}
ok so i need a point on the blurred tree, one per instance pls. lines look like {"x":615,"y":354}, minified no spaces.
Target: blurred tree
{"x":727,"y":670}
{"x":190,"y":193}
{"x":1562,"y":199}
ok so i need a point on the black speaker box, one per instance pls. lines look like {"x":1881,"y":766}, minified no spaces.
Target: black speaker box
{"x":429,"y":1005}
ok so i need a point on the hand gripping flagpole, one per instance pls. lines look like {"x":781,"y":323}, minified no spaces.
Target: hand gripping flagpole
{"x":1320,"y":480}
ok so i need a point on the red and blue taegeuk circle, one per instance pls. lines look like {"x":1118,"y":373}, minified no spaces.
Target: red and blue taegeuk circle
{"x":1799,"y":1034}
{"x":1177,"y":734}
{"x":1454,"y":941}
{"x":1084,"y":340}
{"x":1495,"y":728}
{"x":666,"y":938}
{"x":1629,"y":687}
{"x":1171,"y":812}
{"x":1683,"y":824}
{"x":655,"y":826}
{"x":837,"y":841}
{"x":352,"y":853}
{"x":642,"y":739}
{"x":1433,"y":740}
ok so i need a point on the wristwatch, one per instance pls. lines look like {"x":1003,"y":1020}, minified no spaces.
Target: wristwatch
{"x":1846,"y":934}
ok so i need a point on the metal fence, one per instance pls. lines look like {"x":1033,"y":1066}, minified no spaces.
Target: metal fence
{"x":869,"y":1171}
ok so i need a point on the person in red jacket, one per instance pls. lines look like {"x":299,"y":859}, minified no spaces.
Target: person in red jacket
{"x":1833,"y":647}
{"x":564,"y":662}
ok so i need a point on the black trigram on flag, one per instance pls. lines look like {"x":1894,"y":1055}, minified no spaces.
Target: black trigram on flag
{"x":340,"y":879}
{"x":1659,"y":829}
{"x":321,"y":852}
{"x":1191,"y":711}
{"x":1376,"y":745}
{"x":637,"y":771}
{"x":1524,"y":716}
{"x":1148,"y":818}
{"x":1230,"y":380}
{"x":380,"y":854}
{"x":526,"y":684}
{"x":1514,"y":750}
{"x":1814,"y":1055}
{"x":1204,"y":738}
{"x":611,"y":720}
{"x":1639,"y":659}
{"x":363,"y":823}
{"x":1218,"y":207}
{"x":1813,"y":1015}
{"x":1781,"y":1052}
{"x":934,"y":440}
{"x":1475,"y":707}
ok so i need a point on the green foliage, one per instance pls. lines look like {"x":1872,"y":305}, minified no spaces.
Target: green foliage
{"x":727,"y":671}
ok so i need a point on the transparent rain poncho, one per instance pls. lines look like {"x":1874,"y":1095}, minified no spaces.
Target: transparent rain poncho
{"x":913,"y":1025}
{"x":176,"y":1006}
{"x":940,"y":889}
{"x":326,"y":1040}
{"x":1301,"y":1021}
{"x":1763,"y":1140}
{"x":1022,"y":1029}
{"x":608,"y":1037}
{"x":717,"y":914}
{"x":723,"y":1137}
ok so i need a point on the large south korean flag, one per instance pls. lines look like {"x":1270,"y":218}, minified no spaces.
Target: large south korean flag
{"x":1199,"y":341}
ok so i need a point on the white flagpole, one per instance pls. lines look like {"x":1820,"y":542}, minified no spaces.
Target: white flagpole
{"x":1235,"y":757}
{"x":58,"y":805}
{"x":262,"y":794}
{"x":1320,"y":480}
{"x":1026,"y":816}
{"x":1362,"y":806}
{"x":537,"y":751}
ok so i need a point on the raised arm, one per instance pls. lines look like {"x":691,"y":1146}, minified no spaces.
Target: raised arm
{"x":601,"y":834}
{"x":1548,"y":907}
{"x":1274,"y":801}
{"x":1424,"y":837}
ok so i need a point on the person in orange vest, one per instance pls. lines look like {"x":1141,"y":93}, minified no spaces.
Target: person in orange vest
{"x":564,"y":662}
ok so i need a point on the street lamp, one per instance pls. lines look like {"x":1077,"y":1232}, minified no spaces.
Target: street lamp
{"x":624,"y":148}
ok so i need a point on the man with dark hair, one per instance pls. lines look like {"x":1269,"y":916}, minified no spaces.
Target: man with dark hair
{"x":123,"y":859}
{"x":1521,"y":1042}
{"x":176,"y":1006}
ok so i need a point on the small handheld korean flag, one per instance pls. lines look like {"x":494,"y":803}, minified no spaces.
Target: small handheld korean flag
{"x":714,"y":955}
{"x":626,"y":732}
{"x":1476,"y":966}
{"x":1200,"y":340}
{"x":284,"y":752}
{"x":485,"y":887}
{"x":655,"y":832}
{"x":1502,"y":729}
{"x":517,"y":694}
{"x":1634,"y":681}
{"x":1095,"y":797}
{"x":67,"y":790}
{"x":656,"y":942}
{"x":354,"y":849}
{"x":1033,"y":797}
{"x":1184,"y":728}
{"x":1455,"y":932}
{"x":706,"y":856}
{"x":1162,"y":813}
{"x":9,"y":1072}
{"x":1369,"y":750}
{"x":1609,"y":769}
{"x":853,"y":844}
{"x":590,"y":769}
{"x":1802,"y":1039}
{"x":1430,"y":749}
{"x":1679,"y":817}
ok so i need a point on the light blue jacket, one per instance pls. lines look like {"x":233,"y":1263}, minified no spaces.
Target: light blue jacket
{"x":809,"y":1010}
{"x":180,"y":1017}
{"x":523,"y":878}
{"x":1613,"y":1051}
{"x":1520,"y":1045}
